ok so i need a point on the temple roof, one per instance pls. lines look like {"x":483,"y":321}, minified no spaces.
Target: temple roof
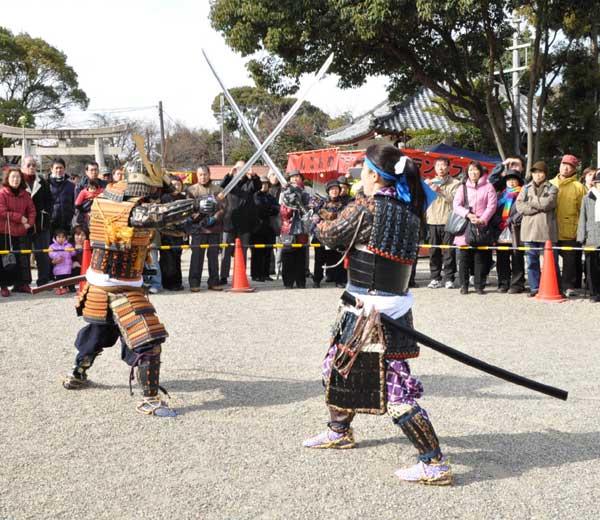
{"x":415,"y":113}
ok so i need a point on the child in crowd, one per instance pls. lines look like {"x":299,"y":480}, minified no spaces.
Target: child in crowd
{"x":83,"y":203}
{"x":79,"y":237}
{"x":61,"y":259}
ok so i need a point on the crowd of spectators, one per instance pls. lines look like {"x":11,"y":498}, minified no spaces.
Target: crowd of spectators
{"x":507,"y":207}
{"x":43,"y":212}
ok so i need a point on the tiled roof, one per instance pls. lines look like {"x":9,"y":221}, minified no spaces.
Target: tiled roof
{"x":361,"y":126}
{"x":413,"y":114}
{"x":416,"y":113}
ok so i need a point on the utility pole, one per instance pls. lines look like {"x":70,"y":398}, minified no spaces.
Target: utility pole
{"x":162,"y":133}
{"x":515,"y":90}
{"x":516,"y":72}
{"x":222,"y":104}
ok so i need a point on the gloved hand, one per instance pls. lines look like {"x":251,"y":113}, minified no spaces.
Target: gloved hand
{"x":209,"y":221}
{"x":208,"y":205}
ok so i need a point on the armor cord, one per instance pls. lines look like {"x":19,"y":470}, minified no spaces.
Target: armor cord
{"x":350,"y":246}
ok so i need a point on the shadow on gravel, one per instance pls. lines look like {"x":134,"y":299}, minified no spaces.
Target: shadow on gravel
{"x":241,"y":394}
{"x":496,"y":456}
{"x":504,"y":455}
{"x":456,"y":386}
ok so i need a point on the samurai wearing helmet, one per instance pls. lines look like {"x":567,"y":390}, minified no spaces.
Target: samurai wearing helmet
{"x":113,"y":302}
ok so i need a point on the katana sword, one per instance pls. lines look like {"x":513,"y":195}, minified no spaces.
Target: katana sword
{"x":461,"y":357}
{"x":245,"y":124}
{"x":277,"y":130}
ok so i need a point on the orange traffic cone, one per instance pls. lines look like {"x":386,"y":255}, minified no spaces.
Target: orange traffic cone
{"x":549,"y":291}
{"x":86,"y":259}
{"x":240,"y":280}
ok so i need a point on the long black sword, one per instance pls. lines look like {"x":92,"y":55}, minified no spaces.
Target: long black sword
{"x":461,"y":357}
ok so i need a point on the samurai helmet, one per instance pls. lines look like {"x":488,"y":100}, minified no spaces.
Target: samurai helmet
{"x":142,"y":184}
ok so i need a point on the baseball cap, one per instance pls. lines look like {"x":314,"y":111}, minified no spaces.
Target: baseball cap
{"x":570,"y":159}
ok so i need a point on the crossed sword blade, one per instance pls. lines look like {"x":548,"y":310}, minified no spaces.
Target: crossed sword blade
{"x":244,"y":122}
{"x":277,"y":130}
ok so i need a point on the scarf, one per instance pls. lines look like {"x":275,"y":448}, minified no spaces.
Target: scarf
{"x":596,"y":193}
{"x":509,"y":195}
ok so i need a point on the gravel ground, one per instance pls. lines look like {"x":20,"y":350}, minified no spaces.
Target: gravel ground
{"x":243,"y":371}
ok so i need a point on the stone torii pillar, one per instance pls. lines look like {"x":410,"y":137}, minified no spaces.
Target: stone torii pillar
{"x":63,"y":136}
{"x":99,"y":152}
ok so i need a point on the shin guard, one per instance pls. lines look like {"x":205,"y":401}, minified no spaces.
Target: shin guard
{"x":419,"y":430}
{"x":148,"y":374}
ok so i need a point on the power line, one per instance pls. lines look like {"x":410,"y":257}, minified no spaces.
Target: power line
{"x":170,"y":118}
{"x":115,"y":110}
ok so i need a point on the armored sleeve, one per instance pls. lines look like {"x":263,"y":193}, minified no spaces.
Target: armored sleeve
{"x":338,"y":233}
{"x":156,"y":215}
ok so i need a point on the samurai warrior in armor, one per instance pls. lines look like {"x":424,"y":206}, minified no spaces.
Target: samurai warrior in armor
{"x":366,"y":367}
{"x":113,"y":301}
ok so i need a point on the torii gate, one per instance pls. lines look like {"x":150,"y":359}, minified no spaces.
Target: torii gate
{"x":27,"y":135}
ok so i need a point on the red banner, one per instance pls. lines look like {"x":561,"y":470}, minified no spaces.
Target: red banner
{"x":314,"y":162}
{"x":327,"y":164}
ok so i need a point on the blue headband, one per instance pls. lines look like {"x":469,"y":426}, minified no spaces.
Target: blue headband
{"x":402,"y":189}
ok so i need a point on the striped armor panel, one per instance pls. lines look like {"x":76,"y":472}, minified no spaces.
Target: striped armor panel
{"x":128,"y":307}
{"x":136,"y":318}
{"x":117,"y":249}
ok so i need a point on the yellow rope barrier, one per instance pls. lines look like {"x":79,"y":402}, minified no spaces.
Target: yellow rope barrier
{"x":586,"y":249}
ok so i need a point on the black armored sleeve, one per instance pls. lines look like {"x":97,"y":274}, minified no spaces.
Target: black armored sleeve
{"x":156,"y":215}
{"x":338,"y":233}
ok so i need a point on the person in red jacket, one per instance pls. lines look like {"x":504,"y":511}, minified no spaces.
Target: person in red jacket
{"x":17,"y":216}
{"x":83,"y":203}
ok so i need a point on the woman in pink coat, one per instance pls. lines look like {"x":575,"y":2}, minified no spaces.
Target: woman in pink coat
{"x":479,"y":209}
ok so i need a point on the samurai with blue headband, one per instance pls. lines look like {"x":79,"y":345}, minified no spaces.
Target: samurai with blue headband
{"x":366,"y":367}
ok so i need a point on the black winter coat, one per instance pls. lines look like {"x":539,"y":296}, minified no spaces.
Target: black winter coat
{"x":241,"y":215}
{"x":266,"y":208}
{"x":42,"y":199}
{"x":63,"y":203}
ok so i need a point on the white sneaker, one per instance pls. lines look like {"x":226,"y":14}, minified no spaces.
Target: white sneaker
{"x":449,"y":285}
{"x":434,"y":284}
{"x":153,"y":290}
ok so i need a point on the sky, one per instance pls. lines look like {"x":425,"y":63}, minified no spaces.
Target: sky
{"x":130,"y":54}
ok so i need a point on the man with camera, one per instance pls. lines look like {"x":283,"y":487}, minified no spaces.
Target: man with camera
{"x":441,"y":260}
{"x":497,"y":177}
{"x":240,"y":217}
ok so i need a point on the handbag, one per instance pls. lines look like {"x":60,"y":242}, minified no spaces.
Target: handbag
{"x":479,"y":235}
{"x":457,"y":224}
{"x":9,"y":261}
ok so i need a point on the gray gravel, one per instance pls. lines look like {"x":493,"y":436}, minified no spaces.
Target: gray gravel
{"x":243,"y":370}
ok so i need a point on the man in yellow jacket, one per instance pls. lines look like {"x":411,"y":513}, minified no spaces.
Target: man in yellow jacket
{"x":570,"y":196}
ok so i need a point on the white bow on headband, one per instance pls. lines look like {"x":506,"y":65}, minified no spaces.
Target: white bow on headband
{"x":400,"y":166}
